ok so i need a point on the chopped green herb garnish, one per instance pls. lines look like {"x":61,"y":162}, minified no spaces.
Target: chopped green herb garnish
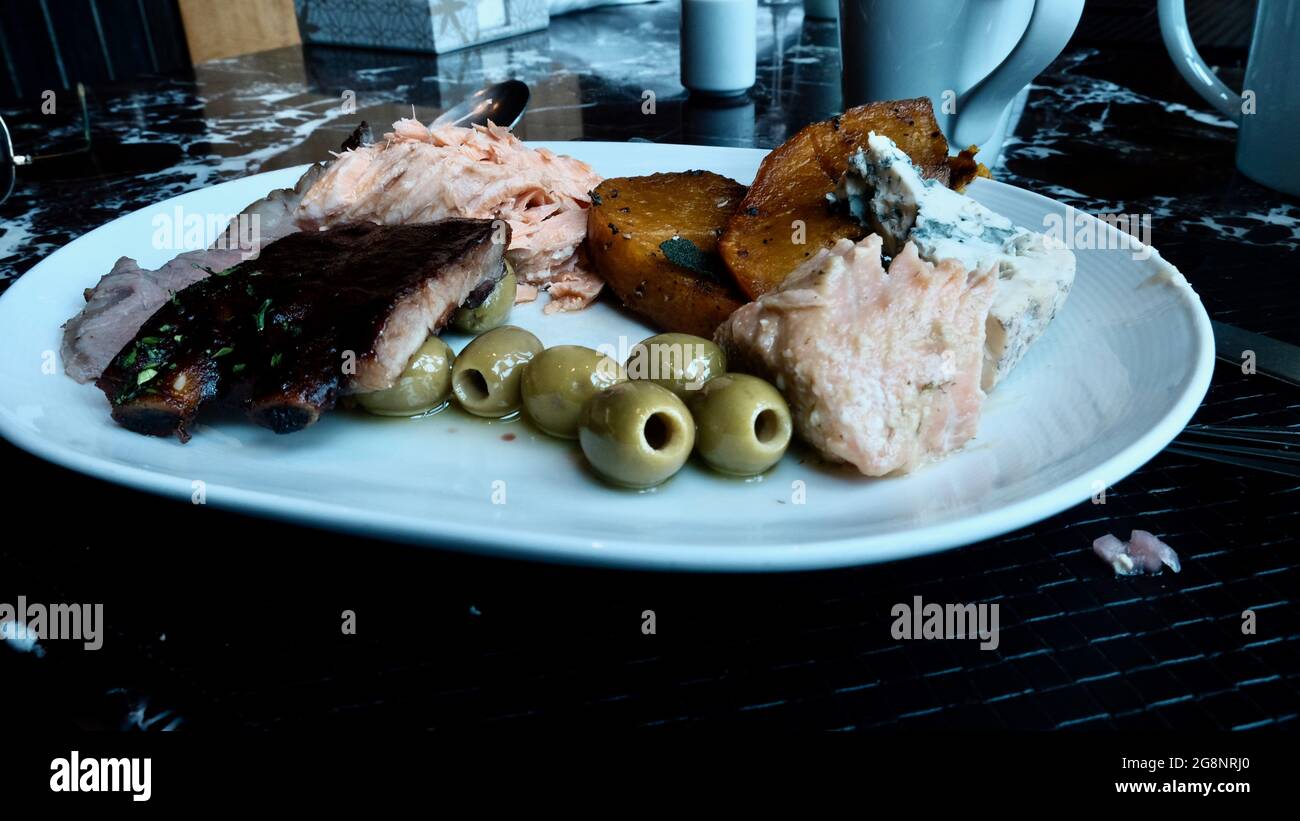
{"x":275,"y":360}
{"x":239,"y":368}
{"x":129,"y":359}
{"x":145,"y":375}
{"x":685,"y":254}
{"x":261,"y":314}
{"x":149,"y":340}
{"x":223,"y":352}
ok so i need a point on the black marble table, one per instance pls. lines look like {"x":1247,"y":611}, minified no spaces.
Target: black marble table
{"x":221,"y":621}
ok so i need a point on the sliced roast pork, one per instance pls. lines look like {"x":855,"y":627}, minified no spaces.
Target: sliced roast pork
{"x":881,"y":367}
{"x":124,"y":300}
{"x":317,"y":315}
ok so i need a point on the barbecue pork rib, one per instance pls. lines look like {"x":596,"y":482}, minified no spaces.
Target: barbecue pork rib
{"x":317,"y":315}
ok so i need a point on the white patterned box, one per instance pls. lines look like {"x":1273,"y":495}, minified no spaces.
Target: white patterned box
{"x":436,"y":26}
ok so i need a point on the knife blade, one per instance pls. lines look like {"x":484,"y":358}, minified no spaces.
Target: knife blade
{"x":1280,"y":360}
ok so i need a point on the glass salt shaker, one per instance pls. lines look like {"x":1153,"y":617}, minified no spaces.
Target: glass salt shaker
{"x":719,"y":46}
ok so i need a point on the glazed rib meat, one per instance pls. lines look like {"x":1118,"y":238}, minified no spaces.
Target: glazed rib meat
{"x":123,"y":301}
{"x":317,"y":315}
{"x":125,"y":297}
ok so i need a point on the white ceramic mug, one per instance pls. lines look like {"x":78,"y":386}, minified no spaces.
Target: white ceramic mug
{"x":970,"y":57}
{"x":1268,"y":109}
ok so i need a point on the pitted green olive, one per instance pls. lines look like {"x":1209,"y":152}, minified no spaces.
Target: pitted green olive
{"x":422,"y":386}
{"x":742,"y":423}
{"x":636,"y":434}
{"x":679,"y":362}
{"x":492,"y":311}
{"x":559,"y":380}
{"x":485,"y":378}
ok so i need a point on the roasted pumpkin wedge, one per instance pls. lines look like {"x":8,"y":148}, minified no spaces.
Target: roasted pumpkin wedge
{"x":785,"y":218}
{"x":654,"y":241}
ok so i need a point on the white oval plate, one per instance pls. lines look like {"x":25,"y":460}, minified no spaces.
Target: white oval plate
{"x":1114,"y":379}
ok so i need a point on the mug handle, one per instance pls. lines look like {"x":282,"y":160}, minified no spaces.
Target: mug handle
{"x":1050,"y":28}
{"x":1178,"y":41}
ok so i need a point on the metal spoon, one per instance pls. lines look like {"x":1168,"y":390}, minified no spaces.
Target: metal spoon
{"x":502,"y":103}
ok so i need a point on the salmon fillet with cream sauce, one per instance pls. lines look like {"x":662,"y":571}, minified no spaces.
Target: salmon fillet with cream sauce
{"x":881,"y":367}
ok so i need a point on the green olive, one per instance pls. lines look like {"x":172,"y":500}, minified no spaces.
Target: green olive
{"x":742,"y":423}
{"x":679,"y":362}
{"x":492,"y":311}
{"x":486,"y":375}
{"x":557,"y":383}
{"x":422,"y":386}
{"x":636,"y":434}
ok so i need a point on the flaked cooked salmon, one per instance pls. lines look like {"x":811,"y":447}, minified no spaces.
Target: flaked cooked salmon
{"x":421,"y":174}
{"x":881,"y":367}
